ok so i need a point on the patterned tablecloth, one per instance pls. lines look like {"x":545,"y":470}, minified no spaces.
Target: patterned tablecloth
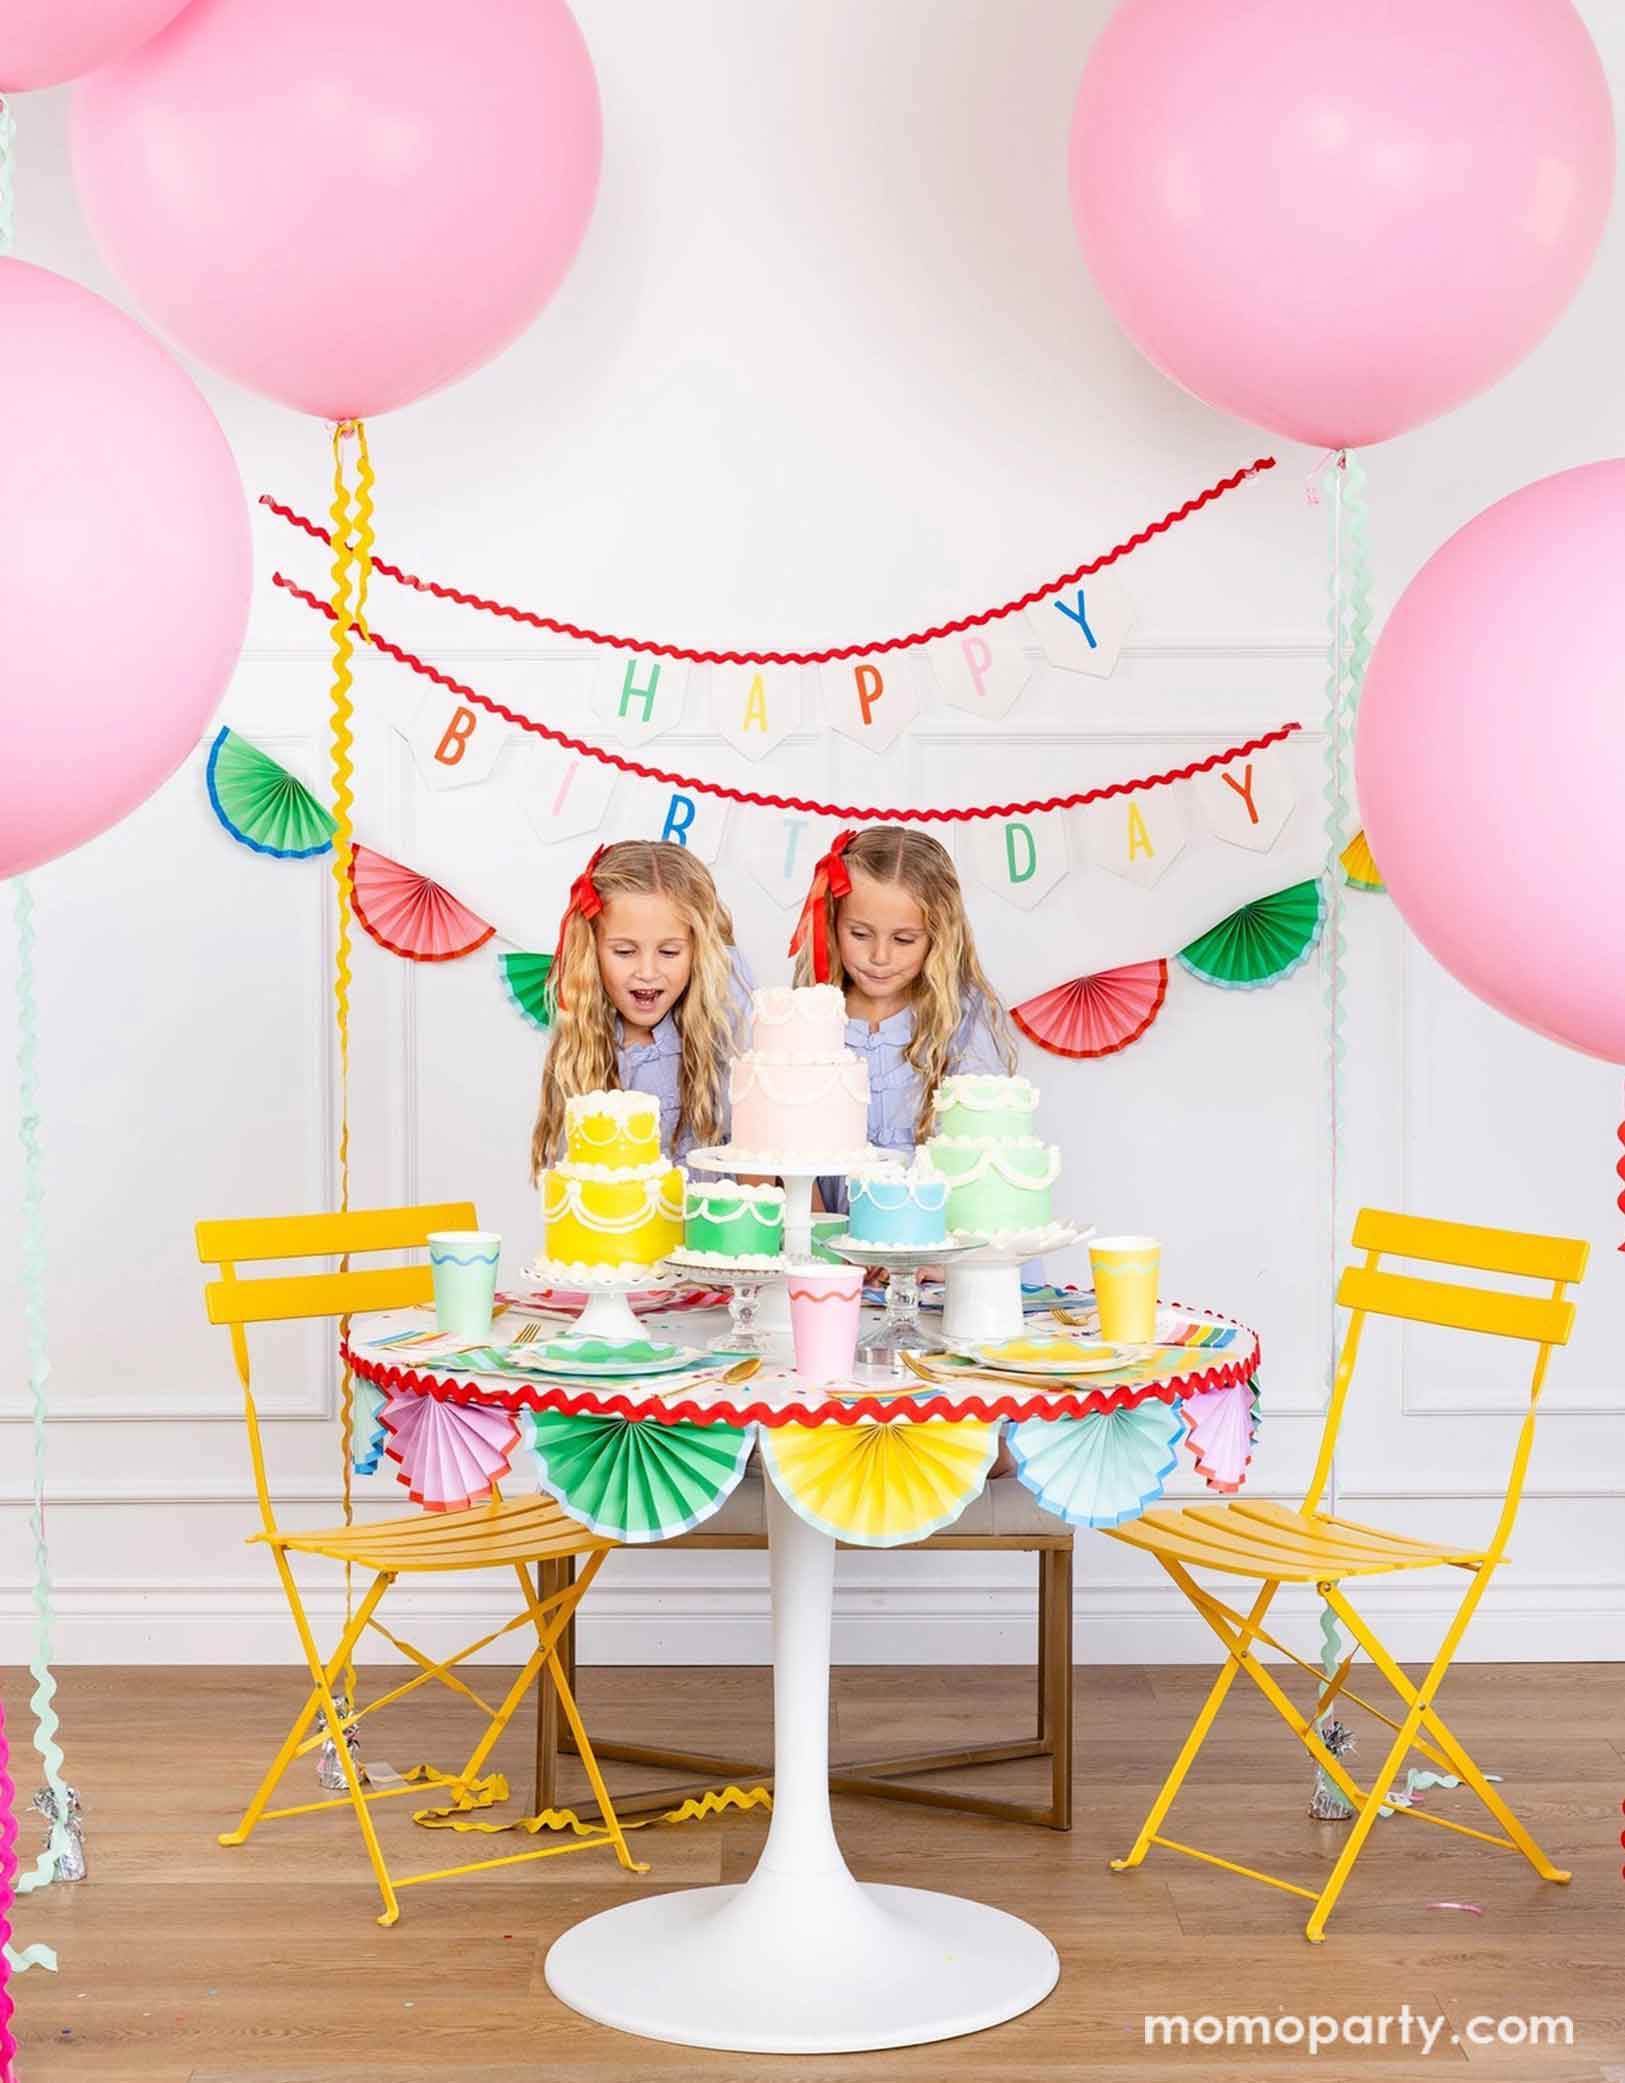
{"x":641,"y":1460}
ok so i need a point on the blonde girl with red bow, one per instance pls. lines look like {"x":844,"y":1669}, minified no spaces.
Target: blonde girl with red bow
{"x":650,"y":995}
{"x":885,"y":922}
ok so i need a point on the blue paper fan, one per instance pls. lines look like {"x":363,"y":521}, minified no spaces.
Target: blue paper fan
{"x":1102,"y":1469}
{"x":367,"y":1429}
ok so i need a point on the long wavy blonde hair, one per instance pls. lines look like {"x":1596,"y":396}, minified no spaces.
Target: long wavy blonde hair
{"x":952,"y":977}
{"x":581,"y":1057}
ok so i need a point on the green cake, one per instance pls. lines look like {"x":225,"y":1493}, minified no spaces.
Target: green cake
{"x":733,"y":1224}
{"x":999,"y":1174}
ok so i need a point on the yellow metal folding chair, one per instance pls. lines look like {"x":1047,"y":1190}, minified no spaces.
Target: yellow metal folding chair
{"x":530,"y":1533}
{"x":1276,"y":1546}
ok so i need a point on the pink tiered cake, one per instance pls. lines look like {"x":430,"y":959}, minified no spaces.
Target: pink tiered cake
{"x":799,"y":1088}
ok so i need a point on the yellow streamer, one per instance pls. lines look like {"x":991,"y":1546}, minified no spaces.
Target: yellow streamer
{"x":484,"y":1793}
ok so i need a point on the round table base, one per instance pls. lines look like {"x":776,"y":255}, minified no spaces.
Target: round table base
{"x":792,"y":1964}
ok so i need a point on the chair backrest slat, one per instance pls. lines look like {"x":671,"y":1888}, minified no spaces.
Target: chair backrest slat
{"x":1535,"y":1317}
{"x":328,"y":1236}
{"x":1521,"y":1252}
{"x":317,"y":1294}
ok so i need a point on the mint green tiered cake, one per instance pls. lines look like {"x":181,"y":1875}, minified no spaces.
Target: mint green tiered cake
{"x":999,"y":1174}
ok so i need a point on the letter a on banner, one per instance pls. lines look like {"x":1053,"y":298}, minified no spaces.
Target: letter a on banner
{"x":1138,"y":836}
{"x":872,"y":700}
{"x":1021,"y":859}
{"x":754,"y":708}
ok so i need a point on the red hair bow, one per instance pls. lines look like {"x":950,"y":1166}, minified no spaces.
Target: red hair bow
{"x":585,"y":902}
{"x":830,"y":879}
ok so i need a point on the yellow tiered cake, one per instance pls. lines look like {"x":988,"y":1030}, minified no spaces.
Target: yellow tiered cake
{"x":615,"y":1201}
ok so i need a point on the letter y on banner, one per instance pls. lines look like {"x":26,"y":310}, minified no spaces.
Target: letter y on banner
{"x":1082,"y":626}
{"x":1248,"y":802}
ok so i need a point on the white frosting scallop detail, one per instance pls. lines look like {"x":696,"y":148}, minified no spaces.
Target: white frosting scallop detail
{"x":996,"y":1157}
{"x":621,"y":1107}
{"x":980,"y":1092}
{"x":805,"y":1023}
{"x":847,"y":1073}
{"x":570,"y":1201}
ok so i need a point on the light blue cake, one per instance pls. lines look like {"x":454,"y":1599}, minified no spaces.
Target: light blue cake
{"x":899,"y":1205}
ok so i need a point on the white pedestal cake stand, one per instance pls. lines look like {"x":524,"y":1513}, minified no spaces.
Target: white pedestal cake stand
{"x":801,"y":1959}
{"x":983,"y":1298}
{"x":797,"y":1169}
{"x":608,"y":1314}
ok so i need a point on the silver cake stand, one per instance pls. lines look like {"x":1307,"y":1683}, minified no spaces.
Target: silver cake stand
{"x":880,"y":1352}
{"x":608,"y":1313}
{"x":983,"y":1299}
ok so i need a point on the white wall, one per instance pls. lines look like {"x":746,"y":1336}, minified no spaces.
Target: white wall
{"x":828,"y":365}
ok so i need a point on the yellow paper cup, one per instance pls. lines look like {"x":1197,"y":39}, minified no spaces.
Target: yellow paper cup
{"x":1125,"y":1270}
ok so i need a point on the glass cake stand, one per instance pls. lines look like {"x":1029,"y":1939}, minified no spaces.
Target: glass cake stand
{"x":744,"y":1279}
{"x":880,"y":1351}
{"x":608,"y":1314}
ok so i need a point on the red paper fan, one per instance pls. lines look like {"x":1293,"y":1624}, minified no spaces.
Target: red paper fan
{"x":409,"y":914}
{"x":1095,"y":1015}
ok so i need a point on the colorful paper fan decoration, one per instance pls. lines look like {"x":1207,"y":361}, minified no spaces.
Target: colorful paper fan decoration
{"x":410,"y":915}
{"x":450,"y":1453}
{"x":1095,"y":1015}
{"x":879,"y":1485}
{"x":524,"y":979}
{"x":1222,"y":1431}
{"x":631,"y":1479}
{"x":261,"y":804}
{"x":1359,"y":868}
{"x":367,"y":1429}
{"x":1262,"y":942}
{"x":1099,"y":1470}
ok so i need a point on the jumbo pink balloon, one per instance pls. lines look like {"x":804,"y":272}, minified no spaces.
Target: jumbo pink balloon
{"x":44,"y":42}
{"x":124,"y":565}
{"x":1340,"y":218}
{"x":344,"y":203}
{"x":1490,"y":757}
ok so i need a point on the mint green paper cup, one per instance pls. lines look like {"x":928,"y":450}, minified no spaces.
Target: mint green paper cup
{"x":464,"y":1265}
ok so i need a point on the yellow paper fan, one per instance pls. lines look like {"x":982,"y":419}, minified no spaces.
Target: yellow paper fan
{"x":1359,"y":868}
{"x":879,"y":1485}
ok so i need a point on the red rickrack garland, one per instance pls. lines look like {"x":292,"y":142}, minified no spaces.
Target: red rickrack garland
{"x":836,"y":653}
{"x":669,"y":1408}
{"x":864,"y":813}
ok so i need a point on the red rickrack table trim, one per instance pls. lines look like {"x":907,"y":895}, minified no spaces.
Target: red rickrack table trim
{"x":556,"y":627}
{"x":583,"y":1400}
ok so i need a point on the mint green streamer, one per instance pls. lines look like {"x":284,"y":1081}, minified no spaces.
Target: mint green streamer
{"x":39,"y":1372}
{"x":1348,"y":654}
{"x":1331,"y":1653}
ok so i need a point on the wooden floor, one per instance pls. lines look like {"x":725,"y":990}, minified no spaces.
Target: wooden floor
{"x":186,"y":1963}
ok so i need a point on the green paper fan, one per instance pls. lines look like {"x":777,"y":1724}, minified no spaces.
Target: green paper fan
{"x":524,"y":980}
{"x":634,"y":1479}
{"x":1262,"y":942}
{"x":261,"y":804}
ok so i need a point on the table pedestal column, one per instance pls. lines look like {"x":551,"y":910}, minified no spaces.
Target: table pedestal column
{"x":802,"y":1959}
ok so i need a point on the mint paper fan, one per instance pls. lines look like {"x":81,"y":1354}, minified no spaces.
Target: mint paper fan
{"x":1095,"y":1015}
{"x":1102,"y":1469}
{"x":408,"y":913}
{"x":1262,"y":942}
{"x":634,"y":1479}
{"x":524,"y":981}
{"x":261,"y":804}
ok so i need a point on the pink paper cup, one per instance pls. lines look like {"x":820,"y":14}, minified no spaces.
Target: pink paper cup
{"x":824,"y":1305}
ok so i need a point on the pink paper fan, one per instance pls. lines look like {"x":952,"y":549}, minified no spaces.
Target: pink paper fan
{"x":409,"y":914}
{"x":1095,"y":1015}
{"x":1221,"y":1434}
{"x":450,"y":1453}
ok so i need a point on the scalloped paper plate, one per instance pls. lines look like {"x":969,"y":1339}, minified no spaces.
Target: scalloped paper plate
{"x":638,"y":1480}
{"x":1099,"y":1470}
{"x":261,"y":804}
{"x":1095,"y":1015}
{"x":1042,"y":1357}
{"x":408,"y":913}
{"x":1262,"y":943}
